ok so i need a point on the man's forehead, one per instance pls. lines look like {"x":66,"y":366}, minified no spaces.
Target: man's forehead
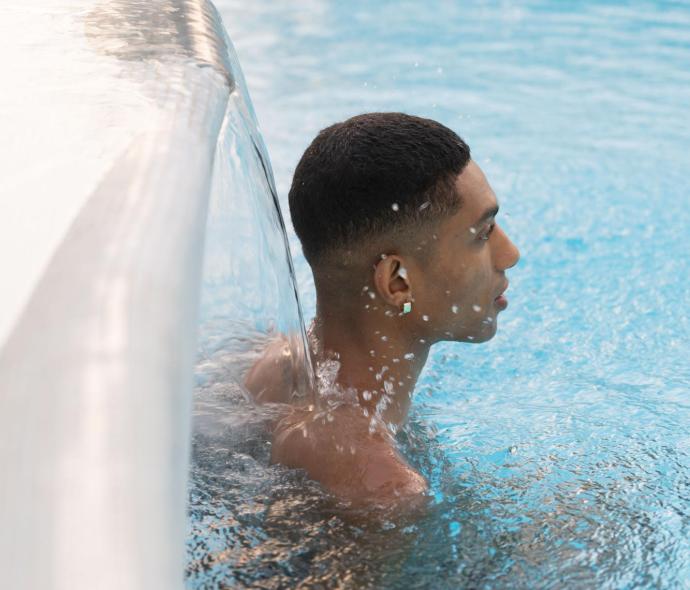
{"x":476,"y":195}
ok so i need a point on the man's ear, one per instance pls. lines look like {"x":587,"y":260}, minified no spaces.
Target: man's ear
{"x":392,"y":281}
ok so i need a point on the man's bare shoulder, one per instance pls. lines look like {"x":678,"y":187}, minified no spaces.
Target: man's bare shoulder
{"x":271,"y":377}
{"x":342,"y":451}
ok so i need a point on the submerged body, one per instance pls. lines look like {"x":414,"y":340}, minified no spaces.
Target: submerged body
{"x":384,"y":297}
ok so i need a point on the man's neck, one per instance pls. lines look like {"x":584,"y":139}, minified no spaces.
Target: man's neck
{"x":378,"y":357}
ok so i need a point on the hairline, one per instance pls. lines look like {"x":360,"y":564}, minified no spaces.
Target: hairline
{"x":364,"y":241}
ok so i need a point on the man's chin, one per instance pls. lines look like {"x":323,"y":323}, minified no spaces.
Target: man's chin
{"x":482,"y":335}
{"x":487,"y":332}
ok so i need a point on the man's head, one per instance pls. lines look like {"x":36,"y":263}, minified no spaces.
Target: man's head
{"x":391,"y":209}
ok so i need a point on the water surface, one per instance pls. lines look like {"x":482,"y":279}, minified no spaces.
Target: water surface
{"x":559,"y":452}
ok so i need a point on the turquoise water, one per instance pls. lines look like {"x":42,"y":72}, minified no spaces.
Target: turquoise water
{"x":559,"y":452}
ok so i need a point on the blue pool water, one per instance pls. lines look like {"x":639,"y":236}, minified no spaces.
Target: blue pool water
{"x":559,"y":452}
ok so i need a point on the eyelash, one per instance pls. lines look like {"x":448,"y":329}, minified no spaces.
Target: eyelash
{"x":485,"y":236}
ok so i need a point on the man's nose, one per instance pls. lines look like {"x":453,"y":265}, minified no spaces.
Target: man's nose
{"x":507,"y":254}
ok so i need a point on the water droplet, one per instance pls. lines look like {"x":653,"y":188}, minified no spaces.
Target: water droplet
{"x":454,"y":308}
{"x":372,"y":295}
{"x":396,"y":360}
{"x":473,"y":230}
{"x":424,"y":205}
{"x":422,"y":341}
{"x":383,"y":256}
{"x":476,"y":308}
{"x":425,"y":318}
{"x":384,"y":338}
{"x":409,"y":356}
{"x":395,"y":207}
{"x":366,"y":395}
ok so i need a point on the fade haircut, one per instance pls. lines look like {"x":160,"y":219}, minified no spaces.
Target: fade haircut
{"x":373,"y":174}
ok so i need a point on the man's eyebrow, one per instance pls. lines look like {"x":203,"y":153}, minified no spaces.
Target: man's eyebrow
{"x":488,"y":214}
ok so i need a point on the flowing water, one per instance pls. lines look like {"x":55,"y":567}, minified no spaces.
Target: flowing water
{"x":558,"y":454}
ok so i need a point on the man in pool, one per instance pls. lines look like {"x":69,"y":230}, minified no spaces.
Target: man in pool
{"x":398,"y":224}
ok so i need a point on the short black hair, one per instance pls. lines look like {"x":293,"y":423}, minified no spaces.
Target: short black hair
{"x":371,"y":174}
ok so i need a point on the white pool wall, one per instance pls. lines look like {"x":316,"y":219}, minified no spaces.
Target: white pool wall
{"x":104,"y":191}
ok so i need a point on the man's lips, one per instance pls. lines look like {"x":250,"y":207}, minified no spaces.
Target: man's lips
{"x":500,"y":301}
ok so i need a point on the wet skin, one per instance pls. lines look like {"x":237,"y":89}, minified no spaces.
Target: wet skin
{"x":453,"y":273}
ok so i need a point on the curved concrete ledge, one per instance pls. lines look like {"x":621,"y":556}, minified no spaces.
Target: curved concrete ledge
{"x":104,"y":254}
{"x":137,"y":30}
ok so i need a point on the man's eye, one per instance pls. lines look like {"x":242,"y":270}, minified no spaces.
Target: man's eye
{"x":485,"y":235}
